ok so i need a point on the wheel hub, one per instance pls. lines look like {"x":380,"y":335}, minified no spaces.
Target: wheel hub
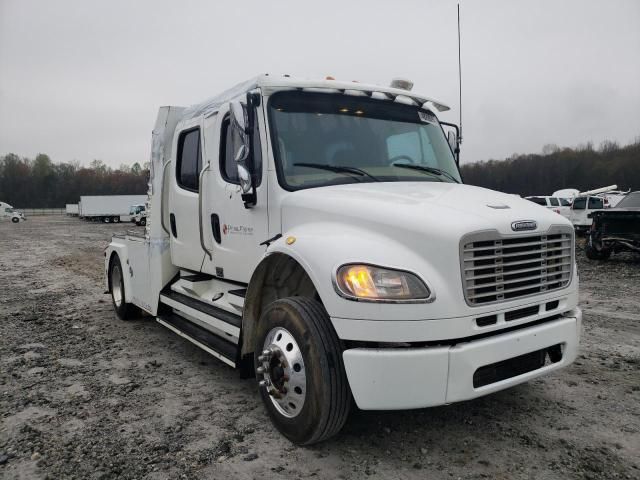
{"x":281,"y":372}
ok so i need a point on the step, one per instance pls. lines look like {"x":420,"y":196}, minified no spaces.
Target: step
{"x":206,"y":340}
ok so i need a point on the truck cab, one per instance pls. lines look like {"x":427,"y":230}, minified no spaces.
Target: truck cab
{"x":317,"y":235}
{"x":138,"y":214}
{"x":7,"y":212}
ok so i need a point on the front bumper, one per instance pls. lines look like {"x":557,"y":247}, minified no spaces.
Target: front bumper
{"x":404,"y":378}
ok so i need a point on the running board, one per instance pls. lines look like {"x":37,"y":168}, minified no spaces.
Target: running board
{"x":206,"y":340}
{"x":215,"y":317}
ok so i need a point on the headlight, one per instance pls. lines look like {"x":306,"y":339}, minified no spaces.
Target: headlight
{"x":371,"y":283}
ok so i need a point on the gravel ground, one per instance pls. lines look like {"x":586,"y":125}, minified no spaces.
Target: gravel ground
{"x":84,"y":395}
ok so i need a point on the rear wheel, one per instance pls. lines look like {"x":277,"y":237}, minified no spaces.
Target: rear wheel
{"x":15,"y":219}
{"x":124,"y":310}
{"x":116,"y":219}
{"x":300,"y":370}
{"x":107,"y":219}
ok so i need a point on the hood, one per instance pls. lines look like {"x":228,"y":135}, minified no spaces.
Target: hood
{"x":415,"y":206}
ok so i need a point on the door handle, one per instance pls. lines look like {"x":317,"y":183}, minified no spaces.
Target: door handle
{"x":172,"y":221}
{"x":202,"y":244}
{"x":215,"y":227}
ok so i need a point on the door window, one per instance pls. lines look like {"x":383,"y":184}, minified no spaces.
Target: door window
{"x":595,"y":203}
{"x":554,"y":202}
{"x":579,"y":203}
{"x":189,"y":161}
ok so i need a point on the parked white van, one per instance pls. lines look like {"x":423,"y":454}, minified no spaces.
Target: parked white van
{"x":557,"y":204}
{"x":581,"y":208}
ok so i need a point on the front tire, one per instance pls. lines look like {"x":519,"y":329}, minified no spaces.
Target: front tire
{"x":143,"y":222}
{"x":124,"y":310}
{"x":15,"y":219}
{"x":299,"y":366}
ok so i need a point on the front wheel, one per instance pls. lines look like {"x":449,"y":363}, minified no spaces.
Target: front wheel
{"x":143,"y":222}
{"x":15,"y":219}
{"x":300,"y":370}
{"x":124,"y":310}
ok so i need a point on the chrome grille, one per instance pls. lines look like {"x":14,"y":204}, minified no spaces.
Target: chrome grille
{"x":500,"y":268}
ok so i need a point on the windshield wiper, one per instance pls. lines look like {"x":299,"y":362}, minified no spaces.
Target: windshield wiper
{"x":338,"y":169}
{"x":422,"y":168}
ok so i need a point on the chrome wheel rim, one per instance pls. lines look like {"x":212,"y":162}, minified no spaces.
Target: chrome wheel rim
{"x":282,"y":373}
{"x":116,"y":285}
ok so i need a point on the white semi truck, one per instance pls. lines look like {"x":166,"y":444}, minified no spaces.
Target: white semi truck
{"x":317,"y":235}
{"x":108,"y":208}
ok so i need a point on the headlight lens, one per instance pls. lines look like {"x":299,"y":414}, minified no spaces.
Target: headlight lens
{"x":368,"y":282}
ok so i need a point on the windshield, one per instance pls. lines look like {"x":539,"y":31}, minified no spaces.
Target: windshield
{"x":630,"y":201}
{"x":327,"y":139}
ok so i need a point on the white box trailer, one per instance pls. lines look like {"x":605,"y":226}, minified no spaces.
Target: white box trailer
{"x":72,"y":209}
{"x":108,"y":208}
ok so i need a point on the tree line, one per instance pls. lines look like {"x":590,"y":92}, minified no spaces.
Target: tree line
{"x":583,"y":167}
{"x":41,"y":183}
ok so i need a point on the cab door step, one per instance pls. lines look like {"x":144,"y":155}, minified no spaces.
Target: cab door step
{"x":222,"y":319}
{"x":206,"y":340}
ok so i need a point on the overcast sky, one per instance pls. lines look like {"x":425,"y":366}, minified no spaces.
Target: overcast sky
{"x":83,"y":79}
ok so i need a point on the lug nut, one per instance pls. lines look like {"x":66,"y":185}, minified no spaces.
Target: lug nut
{"x":266,"y":353}
{"x":260,"y":370}
{"x":262,"y":358}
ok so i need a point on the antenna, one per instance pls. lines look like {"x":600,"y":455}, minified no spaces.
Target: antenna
{"x":459,"y":77}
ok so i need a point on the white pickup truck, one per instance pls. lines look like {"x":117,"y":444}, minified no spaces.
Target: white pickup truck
{"x":317,"y":235}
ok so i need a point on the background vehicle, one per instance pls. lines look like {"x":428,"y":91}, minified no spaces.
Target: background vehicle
{"x":581,"y":210}
{"x":108,"y":208}
{"x":135,"y":213}
{"x":616,"y":229}
{"x":72,"y":209}
{"x":7,"y":212}
{"x":557,"y":204}
{"x":316,"y":234}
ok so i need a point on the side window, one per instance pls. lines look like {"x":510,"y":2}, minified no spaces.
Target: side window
{"x":596,"y":203}
{"x":228,"y":145}
{"x":554,"y":202}
{"x":538,"y":201}
{"x":579,"y":203}
{"x":228,"y":167}
{"x":189,"y":160}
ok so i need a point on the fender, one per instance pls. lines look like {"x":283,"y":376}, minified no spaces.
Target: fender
{"x":321,"y":248}
{"x":121,"y":250}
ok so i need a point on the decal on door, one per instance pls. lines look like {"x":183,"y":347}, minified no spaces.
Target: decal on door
{"x":228,"y":229}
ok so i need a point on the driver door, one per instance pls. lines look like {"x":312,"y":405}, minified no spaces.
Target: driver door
{"x":235,"y":232}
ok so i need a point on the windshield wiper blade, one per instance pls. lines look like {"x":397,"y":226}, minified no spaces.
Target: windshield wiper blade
{"x":423,"y":168}
{"x":338,"y":169}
